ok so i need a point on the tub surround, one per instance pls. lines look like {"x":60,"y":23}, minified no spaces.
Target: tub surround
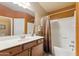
{"x":27,"y":43}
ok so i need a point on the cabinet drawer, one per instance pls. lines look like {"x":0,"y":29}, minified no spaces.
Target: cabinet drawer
{"x":11,"y":51}
{"x":40,"y":41}
{"x":24,"y":53}
{"x":29,"y":45}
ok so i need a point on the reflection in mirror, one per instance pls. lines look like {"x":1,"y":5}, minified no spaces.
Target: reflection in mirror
{"x":16,"y":26}
{"x":15,"y":21}
{"x":5,"y":26}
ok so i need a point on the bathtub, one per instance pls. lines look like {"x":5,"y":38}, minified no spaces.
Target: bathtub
{"x":62,"y":52}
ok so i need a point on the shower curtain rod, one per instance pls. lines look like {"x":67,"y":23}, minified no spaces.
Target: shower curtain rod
{"x":61,"y":12}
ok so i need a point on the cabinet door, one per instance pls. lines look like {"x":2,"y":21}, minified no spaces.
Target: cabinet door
{"x":38,"y":50}
{"x":24,"y":53}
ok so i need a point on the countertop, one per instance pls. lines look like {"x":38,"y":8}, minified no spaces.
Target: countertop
{"x":12,"y":41}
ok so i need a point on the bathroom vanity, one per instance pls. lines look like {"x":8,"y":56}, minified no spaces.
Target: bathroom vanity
{"x":25,"y":46}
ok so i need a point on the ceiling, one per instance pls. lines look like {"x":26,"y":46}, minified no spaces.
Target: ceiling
{"x":51,"y":6}
{"x":47,"y":6}
{"x":17,"y":8}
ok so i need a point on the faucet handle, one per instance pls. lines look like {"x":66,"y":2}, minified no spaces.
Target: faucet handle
{"x":72,"y":42}
{"x":71,"y":45}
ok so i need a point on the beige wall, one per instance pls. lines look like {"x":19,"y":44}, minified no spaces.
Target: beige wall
{"x":39,"y":13}
{"x":5,"y":21}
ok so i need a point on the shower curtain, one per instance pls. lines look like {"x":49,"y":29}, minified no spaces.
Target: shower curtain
{"x":46,"y":29}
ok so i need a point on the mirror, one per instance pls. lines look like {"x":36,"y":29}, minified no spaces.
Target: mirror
{"x":15,"y":22}
{"x":14,"y":26}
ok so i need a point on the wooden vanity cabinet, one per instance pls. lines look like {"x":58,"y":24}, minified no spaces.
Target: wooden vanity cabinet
{"x":29,"y":45}
{"x":40,"y":41}
{"x":24,"y":53}
{"x":11,"y":51}
{"x":38,"y":50}
{"x":34,"y":48}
